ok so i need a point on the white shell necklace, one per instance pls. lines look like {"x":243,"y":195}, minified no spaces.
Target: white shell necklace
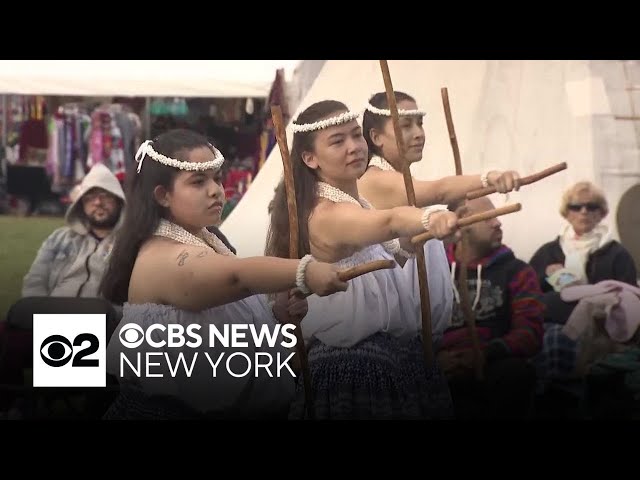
{"x":381,"y":163}
{"x":207,"y":239}
{"x":336,"y":195}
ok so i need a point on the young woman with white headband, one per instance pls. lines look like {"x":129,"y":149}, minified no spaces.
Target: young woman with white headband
{"x":167,"y":268}
{"x":383,"y":185}
{"x":364,"y":345}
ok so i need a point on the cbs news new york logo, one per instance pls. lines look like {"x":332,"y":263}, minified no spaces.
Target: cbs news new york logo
{"x":69,"y":350}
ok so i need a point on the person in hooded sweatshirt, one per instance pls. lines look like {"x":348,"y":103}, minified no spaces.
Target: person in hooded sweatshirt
{"x":72,"y":260}
{"x":506,"y":299}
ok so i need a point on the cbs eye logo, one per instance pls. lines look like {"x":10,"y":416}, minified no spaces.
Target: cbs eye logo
{"x":131,"y":335}
{"x":64,"y":345}
{"x":56,"y":350}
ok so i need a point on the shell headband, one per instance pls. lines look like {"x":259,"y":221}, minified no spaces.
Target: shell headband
{"x":147,"y":150}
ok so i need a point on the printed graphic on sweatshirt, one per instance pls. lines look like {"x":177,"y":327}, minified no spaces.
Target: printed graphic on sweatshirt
{"x":491,"y":299}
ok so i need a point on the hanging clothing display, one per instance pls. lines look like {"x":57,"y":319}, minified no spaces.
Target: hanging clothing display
{"x":114,"y":132}
{"x":66,"y":131}
{"x":78,"y":140}
{"x":33,"y":133}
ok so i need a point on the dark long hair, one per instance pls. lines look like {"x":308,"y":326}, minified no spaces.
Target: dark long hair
{"x":373,"y":120}
{"x":142,"y":213}
{"x":305,"y":180}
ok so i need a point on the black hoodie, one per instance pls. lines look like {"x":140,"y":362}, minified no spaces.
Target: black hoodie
{"x":508,"y":307}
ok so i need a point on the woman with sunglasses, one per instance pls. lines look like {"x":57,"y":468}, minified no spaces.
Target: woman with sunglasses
{"x":584,"y":251}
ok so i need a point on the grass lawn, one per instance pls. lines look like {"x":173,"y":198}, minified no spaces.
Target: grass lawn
{"x":20,"y":239}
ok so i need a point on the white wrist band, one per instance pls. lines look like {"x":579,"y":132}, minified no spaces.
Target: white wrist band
{"x":300,"y":274}
{"x":484,"y":178}
{"x":428,"y":211}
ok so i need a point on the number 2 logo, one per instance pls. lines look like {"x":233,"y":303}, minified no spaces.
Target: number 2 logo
{"x":56,"y":350}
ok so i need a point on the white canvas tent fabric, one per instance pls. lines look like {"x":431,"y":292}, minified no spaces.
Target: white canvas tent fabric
{"x":522,"y":115}
{"x":301,"y":81}
{"x":145,"y":78}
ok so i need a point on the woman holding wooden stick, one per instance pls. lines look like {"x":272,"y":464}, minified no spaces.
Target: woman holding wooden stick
{"x":364,"y":346}
{"x":168,"y":269}
{"x":383,"y":185}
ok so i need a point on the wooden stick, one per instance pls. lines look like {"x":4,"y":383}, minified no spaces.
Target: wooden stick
{"x":423,"y":282}
{"x":452,"y":132}
{"x":463,"y":247}
{"x":356,"y":271}
{"x":523,"y":181}
{"x":289,"y":184}
{"x":470,"y":220}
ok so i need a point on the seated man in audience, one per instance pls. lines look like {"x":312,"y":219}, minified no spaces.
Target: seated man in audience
{"x":505,"y":297}
{"x":72,"y":260}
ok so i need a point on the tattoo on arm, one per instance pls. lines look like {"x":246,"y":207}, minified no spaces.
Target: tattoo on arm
{"x":182,"y":257}
{"x":202,"y":254}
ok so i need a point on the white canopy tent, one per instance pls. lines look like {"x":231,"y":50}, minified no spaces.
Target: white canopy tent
{"x":137,"y":78}
{"x":140,"y":78}
{"x":143,"y":78}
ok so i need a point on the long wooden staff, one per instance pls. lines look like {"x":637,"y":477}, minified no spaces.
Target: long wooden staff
{"x":290,"y":188}
{"x":425,"y":301}
{"x":463,"y":249}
